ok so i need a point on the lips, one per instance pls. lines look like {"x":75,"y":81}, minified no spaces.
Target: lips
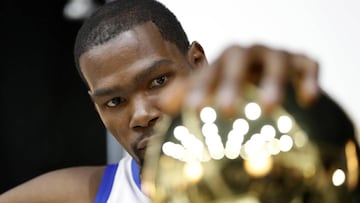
{"x":143,"y":141}
{"x":141,"y":147}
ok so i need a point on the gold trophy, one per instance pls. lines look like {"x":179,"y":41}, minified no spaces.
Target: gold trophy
{"x":293,"y":155}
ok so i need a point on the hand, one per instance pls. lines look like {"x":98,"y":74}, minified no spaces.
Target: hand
{"x":223,"y":82}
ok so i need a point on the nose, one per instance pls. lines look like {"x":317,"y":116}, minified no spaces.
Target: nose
{"x":145,"y":113}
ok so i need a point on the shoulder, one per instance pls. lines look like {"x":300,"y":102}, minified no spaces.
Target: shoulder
{"x":78,"y":184}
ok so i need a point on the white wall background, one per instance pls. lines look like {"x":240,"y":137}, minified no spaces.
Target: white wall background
{"x":326,"y":30}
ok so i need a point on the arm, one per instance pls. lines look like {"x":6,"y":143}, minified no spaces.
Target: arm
{"x":78,"y":184}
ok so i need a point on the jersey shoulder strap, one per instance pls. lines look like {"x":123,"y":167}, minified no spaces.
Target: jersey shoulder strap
{"x":106,"y":183}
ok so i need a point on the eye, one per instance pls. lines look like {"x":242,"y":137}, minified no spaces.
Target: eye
{"x":114,"y":102}
{"x":159,"y":81}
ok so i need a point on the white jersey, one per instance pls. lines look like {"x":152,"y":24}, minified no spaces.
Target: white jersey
{"x":121,"y":184}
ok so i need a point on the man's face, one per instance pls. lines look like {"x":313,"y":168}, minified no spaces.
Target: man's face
{"x":127,"y":77}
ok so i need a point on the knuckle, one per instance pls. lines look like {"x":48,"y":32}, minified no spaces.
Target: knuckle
{"x":231,"y":54}
{"x":305,"y":62}
{"x":279,"y":55}
{"x":258,"y":47}
{"x":234,"y":49}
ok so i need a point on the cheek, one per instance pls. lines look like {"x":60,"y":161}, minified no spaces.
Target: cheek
{"x":114,"y":121}
{"x":118,"y":127}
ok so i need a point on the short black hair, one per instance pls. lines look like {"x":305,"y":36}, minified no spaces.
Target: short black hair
{"x":118,"y":16}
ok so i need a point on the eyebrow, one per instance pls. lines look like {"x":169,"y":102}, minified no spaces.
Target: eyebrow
{"x":138,"y":77}
{"x":152,"y":68}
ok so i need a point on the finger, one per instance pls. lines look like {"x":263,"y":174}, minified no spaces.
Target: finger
{"x":273,"y":78}
{"x":202,"y":84}
{"x":306,"y":72}
{"x":233,"y":65}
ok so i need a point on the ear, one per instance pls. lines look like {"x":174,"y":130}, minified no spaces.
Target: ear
{"x":196,"y":56}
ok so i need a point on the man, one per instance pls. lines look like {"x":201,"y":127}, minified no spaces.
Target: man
{"x":139,"y":66}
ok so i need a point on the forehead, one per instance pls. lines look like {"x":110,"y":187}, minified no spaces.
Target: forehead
{"x":137,"y":47}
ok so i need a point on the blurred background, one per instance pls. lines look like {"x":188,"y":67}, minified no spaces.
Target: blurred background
{"x":326,"y":30}
{"x":47,"y":119}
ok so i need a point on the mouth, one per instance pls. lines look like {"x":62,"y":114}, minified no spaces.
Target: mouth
{"x":141,"y":145}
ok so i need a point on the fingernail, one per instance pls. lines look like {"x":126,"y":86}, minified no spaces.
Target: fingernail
{"x":195,"y":99}
{"x":269,"y":95}
{"x":225,"y":99}
{"x":311,"y":90}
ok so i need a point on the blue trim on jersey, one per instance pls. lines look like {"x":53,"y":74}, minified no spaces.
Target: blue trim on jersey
{"x":135,"y":173}
{"x":106,"y":183}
